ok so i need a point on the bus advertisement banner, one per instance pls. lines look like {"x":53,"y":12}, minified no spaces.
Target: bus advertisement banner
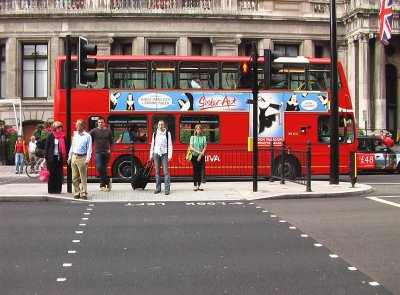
{"x":179,"y":101}
{"x":273,"y":105}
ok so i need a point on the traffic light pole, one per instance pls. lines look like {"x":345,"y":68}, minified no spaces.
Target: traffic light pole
{"x":334,"y":120}
{"x":68,"y":103}
{"x":255,"y":114}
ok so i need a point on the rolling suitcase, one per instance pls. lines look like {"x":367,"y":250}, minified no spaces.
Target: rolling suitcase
{"x":140,"y":179}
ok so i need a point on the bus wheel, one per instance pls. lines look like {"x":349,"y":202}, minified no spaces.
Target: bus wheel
{"x":291,"y":167}
{"x":122,"y":167}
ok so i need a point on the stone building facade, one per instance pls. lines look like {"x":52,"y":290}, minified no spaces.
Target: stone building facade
{"x":33,"y":34}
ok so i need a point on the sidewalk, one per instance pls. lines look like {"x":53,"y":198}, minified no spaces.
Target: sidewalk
{"x":180,"y":191}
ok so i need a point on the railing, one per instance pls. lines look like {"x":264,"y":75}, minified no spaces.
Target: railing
{"x":21,"y":6}
{"x":226,"y":164}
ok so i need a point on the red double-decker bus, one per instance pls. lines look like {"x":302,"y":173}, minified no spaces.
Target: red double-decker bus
{"x":133,"y":92}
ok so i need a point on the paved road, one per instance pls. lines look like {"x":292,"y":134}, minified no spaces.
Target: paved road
{"x":166,"y":248}
{"x":365,"y":231}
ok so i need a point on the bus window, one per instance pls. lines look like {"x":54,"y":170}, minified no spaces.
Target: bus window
{"x":169,"y":124}
{"x":129,"y":128}
{"x":127,"y":74}
{"x":320,"y":77}
{"x":324,"y":134}
{"x":230,"y":75}
{"x":346,"y":129}
{"x":210,"y":125}
{"x":163,"y":74}
{"x":207,"y":72}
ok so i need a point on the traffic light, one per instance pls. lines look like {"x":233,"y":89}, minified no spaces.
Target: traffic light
{"x":272,"y":76}
{"x":85,"y":63}
{"x":244,"y":76}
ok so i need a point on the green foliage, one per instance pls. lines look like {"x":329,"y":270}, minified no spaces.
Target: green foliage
{"x":360,"y":132}
{"x":10,"y":147}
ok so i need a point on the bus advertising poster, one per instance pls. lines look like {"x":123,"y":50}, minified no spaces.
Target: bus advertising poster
{"x":273,"y":105}
{"x":179,"y":101}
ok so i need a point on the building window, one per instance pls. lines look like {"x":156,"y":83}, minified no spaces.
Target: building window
{"x":2,"y":71}
{"x":34,"y":71}
{"x":287,"y":50}
{"x":160,"y":48}
{"x":127,"y":49}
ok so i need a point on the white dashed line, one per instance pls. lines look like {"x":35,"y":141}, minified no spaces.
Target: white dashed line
{"x":265,"y":211}
{"x":67,"y":264}
{"x":292,"y":227}
{"x":374,"y":284}
{"x":333,"y":256}
{"x":282,"y":221}
{"x":71,"y":251}
{"x":76,"y":241}
{"x":79,"y":232}
{"x":89,"y":209}
{"x":304,"y":236}
{"x":82,"y":224}
{"x":86,"y":213}
{"x":272,"y":216}
{"x":61,"y":279}
{"x":85,"y":218}
{"x":318,"y":245}
{"x":352,"y":268}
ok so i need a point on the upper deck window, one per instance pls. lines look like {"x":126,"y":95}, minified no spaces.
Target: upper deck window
{"x":205,"y":72}
{"x":127,"y":74}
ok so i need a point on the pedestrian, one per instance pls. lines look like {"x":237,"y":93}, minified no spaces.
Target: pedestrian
{"x":20,"y":152}
{"x":388,"y":139}
{"x":198,"y":145}
{"x":31,"y":151}
{"x":103,"y":140}
{"x":55,"y":154}
{"x":161,"y":152}
{"x":382,"y":135}
{"x":79,"y":157}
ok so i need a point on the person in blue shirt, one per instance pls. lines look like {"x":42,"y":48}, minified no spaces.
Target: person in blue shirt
{"x":79,"y":157}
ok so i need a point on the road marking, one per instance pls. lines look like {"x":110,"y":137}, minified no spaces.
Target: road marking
{"x":85,"y":218}
{"x":265,"y":211}
{"x":86,"y":213}
{"x":79,"y":232}
{"x":304,"y":236}
{"x":282,"y":221}
{"x":272,"y":216}
{"x":82,"y":224}
{"x":318,"y":245}
{"x":374,"y":284}
{"x":89,"y":209}
{"x":61,"y":279}
{"x":333,"y":256}
{"x":292,"y":227}
{"x":76,"y":241}
{"x":384,"y":201}
{"x":91,"y":205}
{"x":352,"y":268}
{"x":67,"y":264}
{"x":71,"y":251}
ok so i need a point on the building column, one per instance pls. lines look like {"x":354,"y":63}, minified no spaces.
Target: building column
{"x":225,"y":46}
{"x":183,"y":46}
{"x":12,"y":81}
{"x":103,"y":45}
{"x":351,"y":72}
{"x":308,"y":49}
{"x":379,"y":87}
{"x":139,"y":47}
{"x":364,"y":96}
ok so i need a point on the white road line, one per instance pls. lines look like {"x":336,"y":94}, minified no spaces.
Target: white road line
{"x":76,"y":241}
{"x":374,"y":284}
{"x":318,"y":245}
{"x":61,"y":279}
{"x":79,"y":232}
{"x":67,"y":264}
{"x":292,"y":227}
{"x":333,"y":256}
{"x":352,"y":268}
{"x":86,"y":213}
{"x":85,"y":218}
{"x":304,"y":236}
{"x":82,"y":224}
{"x":384,"y":201}
{"x":71,"y":251}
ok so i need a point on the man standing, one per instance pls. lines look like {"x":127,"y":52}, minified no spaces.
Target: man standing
{"x":104,"y":141}
{"x":161,"y":151}
{"x":79,"y":157}
{"x":31,"y":151}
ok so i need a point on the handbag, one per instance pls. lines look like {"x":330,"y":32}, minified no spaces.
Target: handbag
{"x":44,"y":175}
{"x":189,"y":154}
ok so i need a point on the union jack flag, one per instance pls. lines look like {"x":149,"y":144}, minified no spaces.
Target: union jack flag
{"x":385,"y":21}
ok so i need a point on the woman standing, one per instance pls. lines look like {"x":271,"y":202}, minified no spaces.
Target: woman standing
{"x":198,"y":144}
{"x":20,"y":152}
{"x":55,"y":154}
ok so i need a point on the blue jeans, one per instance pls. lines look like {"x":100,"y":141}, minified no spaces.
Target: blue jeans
{"x":19,"y":162}
{"x":101,"y":159}
{"x":167,"y":179}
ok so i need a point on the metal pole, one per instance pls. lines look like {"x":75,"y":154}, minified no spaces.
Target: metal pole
{"x":334,"y":120}
{"x":68,"y":103}
{"x":283,"y":163}
{"x":271,"y":178}
{"x":308,"y":189}
{"x":255,"y":114}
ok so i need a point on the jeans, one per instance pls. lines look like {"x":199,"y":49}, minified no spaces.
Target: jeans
{"x":167,"y":179}
{"x":19,"y":162}
{"x":101,"y":159}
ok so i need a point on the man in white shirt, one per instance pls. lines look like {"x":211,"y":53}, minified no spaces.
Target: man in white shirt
{"x":31,"y":151}
{"x":161,"y":152}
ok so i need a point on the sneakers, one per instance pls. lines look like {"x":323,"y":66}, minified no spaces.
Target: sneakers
{"x":166,"y":193}
{"x":103,"y":189}
{"x":77,"y":197}
{"x":157,"y":192}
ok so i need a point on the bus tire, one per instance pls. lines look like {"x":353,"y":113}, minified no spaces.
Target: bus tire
{"x":122,"y":167}
{"x":291,"y":167}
